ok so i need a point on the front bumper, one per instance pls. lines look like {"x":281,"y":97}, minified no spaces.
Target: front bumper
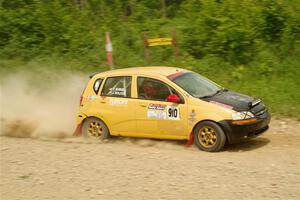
{"x":240,"y":132}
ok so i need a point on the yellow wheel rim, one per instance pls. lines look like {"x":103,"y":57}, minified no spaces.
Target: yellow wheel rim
{"x":95,"y":129}
{"x":207,"y":136}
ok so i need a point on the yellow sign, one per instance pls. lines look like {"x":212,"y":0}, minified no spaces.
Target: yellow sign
{"x":159,"y":41}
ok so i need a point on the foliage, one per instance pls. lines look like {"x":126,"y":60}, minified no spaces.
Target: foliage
{"x":247,"y":45}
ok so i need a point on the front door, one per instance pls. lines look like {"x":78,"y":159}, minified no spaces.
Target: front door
{"x":155,"y":117}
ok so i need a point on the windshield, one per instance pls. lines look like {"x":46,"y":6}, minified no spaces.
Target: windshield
{"x":196,"y":85}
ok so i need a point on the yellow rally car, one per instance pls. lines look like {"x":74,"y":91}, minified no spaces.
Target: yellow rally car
{"x":168,"y":103}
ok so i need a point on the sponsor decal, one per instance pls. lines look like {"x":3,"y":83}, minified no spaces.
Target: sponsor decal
{"x":163,"y":112}
{"x":91,"y":98}
{"x":173,"y":113}
{"x":175,"y":75}
{"x":118,"y":102}
{"x":221,"y":104}
{"x":116,"y":91}
{"x":192,"y":116}
{"x":154,"y":106}
{"x":156,"y":114}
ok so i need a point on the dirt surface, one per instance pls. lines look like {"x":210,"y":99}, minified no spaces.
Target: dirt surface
{"x":40,"y":160}
{"x":267,"y":167}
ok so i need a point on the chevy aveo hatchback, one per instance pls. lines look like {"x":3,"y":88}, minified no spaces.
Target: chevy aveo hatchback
{"x":168,"y":103}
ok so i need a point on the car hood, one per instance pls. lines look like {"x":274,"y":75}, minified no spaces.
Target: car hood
{"x":232,"y":100}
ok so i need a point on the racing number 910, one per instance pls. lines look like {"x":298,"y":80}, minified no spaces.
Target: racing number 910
{"x":173,"y":113}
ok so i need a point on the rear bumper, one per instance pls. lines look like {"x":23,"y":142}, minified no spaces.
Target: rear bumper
{"x":237,"y":133}
{"x":79,"y":119}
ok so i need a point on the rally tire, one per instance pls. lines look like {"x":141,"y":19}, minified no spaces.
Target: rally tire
{"x":209,"y":136}
{"x":95,"y":128}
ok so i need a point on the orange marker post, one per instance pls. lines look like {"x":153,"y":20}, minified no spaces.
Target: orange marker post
{"x":109,"y":50}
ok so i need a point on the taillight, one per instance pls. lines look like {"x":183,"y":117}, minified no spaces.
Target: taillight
{"x":81,"y":98}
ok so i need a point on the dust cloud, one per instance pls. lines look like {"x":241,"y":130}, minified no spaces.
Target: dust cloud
{"x":44,"y":106}
{"x":40,"y":105}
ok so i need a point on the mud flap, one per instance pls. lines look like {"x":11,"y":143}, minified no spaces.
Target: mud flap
{"x":77,"y":131}
{"x":190,"y":142}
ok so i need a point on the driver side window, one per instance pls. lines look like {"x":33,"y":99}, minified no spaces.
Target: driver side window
{"x":152,"y":89}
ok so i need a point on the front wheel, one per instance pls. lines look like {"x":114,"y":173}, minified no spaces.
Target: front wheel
{"x":209,"y":136}
{"x":94,"y":128}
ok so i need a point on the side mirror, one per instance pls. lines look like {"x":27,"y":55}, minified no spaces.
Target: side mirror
{"x":173,"y":98}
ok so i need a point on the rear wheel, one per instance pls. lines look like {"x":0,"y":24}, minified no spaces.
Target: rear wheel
{"x":209,"y":136}
{"x":95,"y":128}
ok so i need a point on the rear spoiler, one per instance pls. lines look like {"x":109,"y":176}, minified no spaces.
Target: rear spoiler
{"x":92,"y":75}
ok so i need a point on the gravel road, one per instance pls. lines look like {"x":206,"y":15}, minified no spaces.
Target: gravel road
{"x":267,"y":167}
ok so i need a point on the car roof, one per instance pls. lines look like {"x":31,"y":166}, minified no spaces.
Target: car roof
{"x":149,"y":70}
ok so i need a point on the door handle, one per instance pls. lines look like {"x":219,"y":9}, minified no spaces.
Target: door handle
{"x":143,"y":105}
{"x":102,"y":101}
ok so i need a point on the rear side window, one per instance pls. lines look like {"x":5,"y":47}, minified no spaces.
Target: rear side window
{"x":119,"y":86}
{"x":97,"y":85}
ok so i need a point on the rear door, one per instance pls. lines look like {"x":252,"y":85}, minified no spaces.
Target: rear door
{"x":116,"y":106}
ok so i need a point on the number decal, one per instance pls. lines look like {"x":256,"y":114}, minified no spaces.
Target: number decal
{"x":173,"y":113}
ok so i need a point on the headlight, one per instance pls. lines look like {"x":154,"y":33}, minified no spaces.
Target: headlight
{"x":242,"y":115}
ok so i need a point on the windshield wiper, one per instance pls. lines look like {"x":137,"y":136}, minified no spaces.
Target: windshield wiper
{"x":214,"y":94}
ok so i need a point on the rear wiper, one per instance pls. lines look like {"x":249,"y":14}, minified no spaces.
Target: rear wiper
{"x":214,"y":94}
